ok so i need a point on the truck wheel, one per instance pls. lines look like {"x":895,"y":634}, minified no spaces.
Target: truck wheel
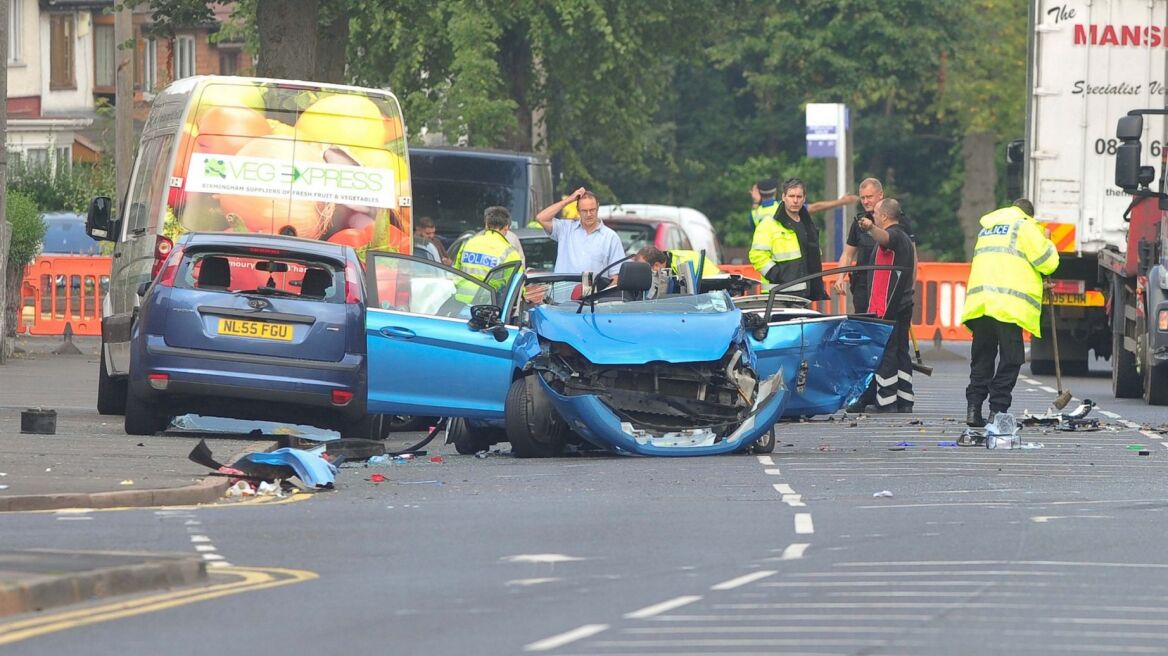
{"x":141,"y":417}
{"x":111,"y":392}
{"x":533,"y":427}
{"x":466,"y":439}
{"x":1155,"y":381}
{"x":1125,"y":377}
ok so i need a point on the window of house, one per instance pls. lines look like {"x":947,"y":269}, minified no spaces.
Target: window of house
{"x":228,"y":62}
{"x":64,"y":158}
{"x":15,"y":31}
{"x":105,"y":54}
{"x":149,"y":65}
{"x":184,"y":57}
{"x":37,"y":157}
{"x":62,"y":31}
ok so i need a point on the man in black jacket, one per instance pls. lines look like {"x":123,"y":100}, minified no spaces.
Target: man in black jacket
{"x":891,"y":297}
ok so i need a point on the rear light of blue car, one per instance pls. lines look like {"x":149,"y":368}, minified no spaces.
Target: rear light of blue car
{"x":170,"y":268}
{"x":352,"y":284}
{"x":162,"y":248}
{"x":158,"y":381}
{"x":342,"y":397}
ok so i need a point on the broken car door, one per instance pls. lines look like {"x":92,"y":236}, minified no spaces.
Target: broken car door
{"x":427,"y":354}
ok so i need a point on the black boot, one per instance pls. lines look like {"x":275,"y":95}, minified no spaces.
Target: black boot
{"x":973,"y":417}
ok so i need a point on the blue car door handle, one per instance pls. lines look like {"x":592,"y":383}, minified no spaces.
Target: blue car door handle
{"x":854,"y":340}
{"x":397,"y":331}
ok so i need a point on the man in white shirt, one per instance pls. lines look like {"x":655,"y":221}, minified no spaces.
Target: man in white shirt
{"x":585,"y":244}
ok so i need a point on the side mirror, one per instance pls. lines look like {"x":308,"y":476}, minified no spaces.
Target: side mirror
{"x":499,"y":332}
{"x":99,"y":223}
{"x":1127,"y":155}
{"x":484,"y":317}
{"x":142,"y":289}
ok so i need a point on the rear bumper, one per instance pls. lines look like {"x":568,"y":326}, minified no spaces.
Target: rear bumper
{"x":251,"y":387}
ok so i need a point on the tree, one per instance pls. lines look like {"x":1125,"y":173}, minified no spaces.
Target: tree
{"x":28,"y":230}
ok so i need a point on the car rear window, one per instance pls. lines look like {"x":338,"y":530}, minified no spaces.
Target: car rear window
{"x":540,"y":253}
{"x":277,"y":275}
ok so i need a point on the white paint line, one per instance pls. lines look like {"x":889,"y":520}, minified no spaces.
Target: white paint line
{"x":1032,"y":381}
{"x":773,"y":472}
{"x":1107,"y":413}
{"x":743,"y":580}
{"x":219,"y":563}
{"x":803,"y":524}
{"x":766,"y":460}
{"x":73,"y":519}
{"x":200,"y":538}
{"x":212,"y":556}
{"x":795,"y":551}
{"x":204,"y":548}
{"x":541,"y":558}
{"x":529,"y":582}
{"x":783,"y":488}
{"x":72,"y":511}
{"x":1150,"y":434}
{"x":1165,"y":444}
{"x":794,"y":500}
{"x":1048,"y":389}
{"x":1130,"y":424}
{"x":568,"y":637}
{"x":192,"y":522}
{"x":663,"y":607}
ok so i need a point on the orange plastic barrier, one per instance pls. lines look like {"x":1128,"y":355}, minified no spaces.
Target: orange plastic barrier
{"x":940,"y":298}
{"x":63,"y":289}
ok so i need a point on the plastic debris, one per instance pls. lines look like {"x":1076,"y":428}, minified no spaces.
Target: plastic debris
{"x":1074,"y":420}
{"x":905,"y":444}
{"x":947,"y":443}
{"x":886,"y":494}
{"x":435,"y":458}
{"x":126,"y":482}
{"x":1145,"y":453}
{"x":270,"y":489}
{"x":1136,"y":447}
{"x":241,"y":489}
{"x":3,"y":487}
{"x":309,"y":467}
{"x":377,"y":478}
{"x":378,"y":460}
{"x":1033,"y":445}
{"x":483,"y":454}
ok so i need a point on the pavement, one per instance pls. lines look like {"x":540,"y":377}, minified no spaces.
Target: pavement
{"x":89,"y":462}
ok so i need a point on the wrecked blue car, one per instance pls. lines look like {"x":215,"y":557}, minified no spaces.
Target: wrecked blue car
{"x":544,"y":363}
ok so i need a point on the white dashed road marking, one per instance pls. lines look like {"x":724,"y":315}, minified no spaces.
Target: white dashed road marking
{"x":568,"y":637}
{"x":773,"y":472}
{"x":803,"y":524}
{"x":1048,"y":389}
{"x":663,"y":607}
{"x":1109,"y":414}
{"x":795,"y":551}
{"x":743,"y":580}
{"x":783,"y":488}
{"x":766,"y":460}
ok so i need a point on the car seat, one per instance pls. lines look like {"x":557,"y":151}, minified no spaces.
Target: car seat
{"x":316,"y":282}
{"x":634,"y":280}
{"x":214,"y":273}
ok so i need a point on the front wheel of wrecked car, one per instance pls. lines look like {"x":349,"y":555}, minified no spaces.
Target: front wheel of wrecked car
{"x":533,"y":427}
{"x":467,"y":440}
{"x":766,"y":443}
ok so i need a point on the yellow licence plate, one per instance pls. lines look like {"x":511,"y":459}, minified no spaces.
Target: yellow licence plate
{"x":258,"y":329}
{"x":1087,"y":299}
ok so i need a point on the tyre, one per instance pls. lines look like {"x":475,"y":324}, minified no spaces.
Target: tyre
{"x":1042,"y":367}
{"x":369,"y":427}
{"x":766,"y":443}
{"x":1155,"y":381}
{"x":466,"y":439}
{"x":141,"y":417}
{"x":1126,"y":382}
{"x":533,"y":427}
{"x":111,"y":392}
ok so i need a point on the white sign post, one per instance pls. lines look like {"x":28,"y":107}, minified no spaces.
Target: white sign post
{"x":827,"y":137}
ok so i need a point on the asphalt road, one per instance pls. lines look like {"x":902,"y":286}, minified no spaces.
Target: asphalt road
{"x":1054,"y":550}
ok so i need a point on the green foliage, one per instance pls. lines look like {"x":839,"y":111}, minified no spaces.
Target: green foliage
{"x":28,"y":229}
{"x":68,"y":188}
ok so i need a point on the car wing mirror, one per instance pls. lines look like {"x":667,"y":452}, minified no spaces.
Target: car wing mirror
{"x":99,"y":222}
{"x":499,"y":332}
{"x":142,"y":289}
{"x":484,"y":317}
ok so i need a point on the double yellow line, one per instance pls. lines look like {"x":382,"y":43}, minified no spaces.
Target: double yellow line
{"x":239,"y":580}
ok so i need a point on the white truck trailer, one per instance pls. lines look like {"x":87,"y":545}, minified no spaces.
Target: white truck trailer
{"x":1090,"y":63}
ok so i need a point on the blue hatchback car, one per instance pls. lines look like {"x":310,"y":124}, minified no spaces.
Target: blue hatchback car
{"x":541,"y":363}
{"x":252,"y":327}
